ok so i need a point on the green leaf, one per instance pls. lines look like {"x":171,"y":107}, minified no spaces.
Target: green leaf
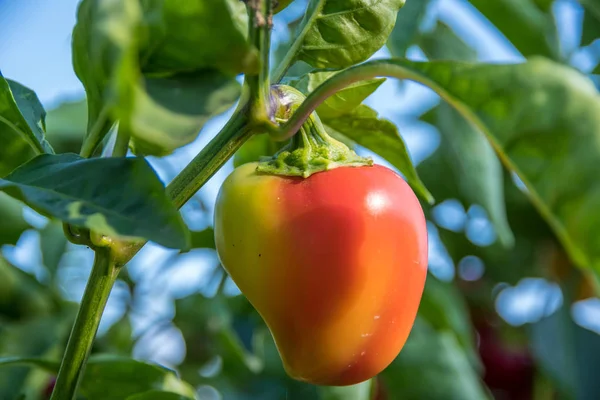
{"x":31,"y":341}
{"x":514,"y":17}
{"x":158,"y":395}
{"x":110,"y":377}
{"x":337,"y":34}
{"x":181,"y":37}
{"x":406,"y":30}
{"x":432,"y":365}
{"x":66,"y":125}
{"x":442,"y":44}
{"x":591,"y":28}
{"x":360,"y":391}
{"x":204,"y":239}
{"x":118,"y":339}
{"x":21,"y":125}
{"x":22,"y":296}
{"x":105,"y":57}
{"x":381,"y":136}
{"x":341,"y":102}
{"x":475,"y":167}
{"x":53,"y":245}
{"x":168,"y":113}
{"x":568,"y":354}
{"x":88,"y":193}
{"x":13,"y":223}
{"x":160,"y":112}
{"x":544,"y":5}
{"x":444,"y":308}
{"x":206,"y":323}
{"x":48,"y":365}
{"x":543,"y":119}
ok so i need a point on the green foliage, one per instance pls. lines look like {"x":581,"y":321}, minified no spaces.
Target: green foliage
{"x":338,"y":34}
{"x":66,"y":125}
{"x":475,"y":167}
{"x":86,"y":202}
{"x":21,"y":125}
{"x":159,"y":70}
{"x":513,"y":17}
{"x":442,"y":44}
{"x":129,"y":377}
{"x":543,"y":119}
{"x":448,"y":376}
{"x":130,"y":79}
{"x":173,"y":28}
{"x":407,"y":26}
{"x":567,"y":353}
{"x":11,"y":215}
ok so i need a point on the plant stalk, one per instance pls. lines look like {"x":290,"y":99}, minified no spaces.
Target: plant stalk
{"x":96,"y":134}
{"x":122,"y":142}
{"x":257,"y":86}
{"x":103,"y":276}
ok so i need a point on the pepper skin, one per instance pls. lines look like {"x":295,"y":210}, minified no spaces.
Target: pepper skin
{"x":334,"y":263}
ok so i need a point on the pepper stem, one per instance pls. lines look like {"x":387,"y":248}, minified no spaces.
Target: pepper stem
{"x":311,"y":149}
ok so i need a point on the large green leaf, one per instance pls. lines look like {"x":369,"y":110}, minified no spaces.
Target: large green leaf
{"x":568,"y":354}
{"x":53,"y":245}
{"x":443,"y":44}
{"x":475,"y":168}
{"x":343,"y":101}
{"x":381,"y":136}
{"x":204,"y":239}
{"x":181,"y":36}
{"x":89,"y":193}
{"x":543,"y":119}
{"x":110,"y":377}
{"x":432,"y":365}
{"x":443,"y":307}
{"x":591,"y":27}
{"x":21,"y":125}
{"x":168,"y":113}
{"x":161,"y":112}
{"x":30,"y":342}
{"x":337,"y":34}
{"x":206,"y":323}
{"x":66,"y":125}
{"x":13,"y":223}
{"x":105,"y":57}
{"x":515,"y":17}
{"x":407,"y":25}
{"x":22,"y":296}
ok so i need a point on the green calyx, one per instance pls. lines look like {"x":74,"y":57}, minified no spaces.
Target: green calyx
{"x":311,"y":149}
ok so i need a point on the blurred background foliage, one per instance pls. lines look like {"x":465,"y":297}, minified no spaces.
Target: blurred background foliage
{"x":508,"y":323}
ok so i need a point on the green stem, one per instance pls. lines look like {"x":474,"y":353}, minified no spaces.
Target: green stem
{"x":33,"y":142}
{"x":122,"y":142}
{"x":257,"y":86}
{"x":292,"y":53}
{"x":103,"y":276}
{"x":210,"y":159}
{"x":368,"y":70}
{"x":96,"y":134}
